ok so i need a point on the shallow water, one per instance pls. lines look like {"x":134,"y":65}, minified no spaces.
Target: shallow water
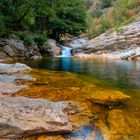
{"x":75,"y":80}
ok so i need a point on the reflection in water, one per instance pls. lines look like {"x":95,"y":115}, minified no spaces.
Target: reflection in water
{"x":124,"y":74}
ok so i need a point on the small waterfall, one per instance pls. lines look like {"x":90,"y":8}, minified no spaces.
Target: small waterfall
{"x":66,"y":51}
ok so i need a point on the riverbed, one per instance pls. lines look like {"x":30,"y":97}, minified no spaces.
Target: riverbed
{"x":74,"y":80}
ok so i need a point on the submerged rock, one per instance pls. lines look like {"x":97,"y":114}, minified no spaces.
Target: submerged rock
{"x":109,"y":97}
{"x":20,"y":116}
{"x":119,"y":125}
{"x":13,"y":68}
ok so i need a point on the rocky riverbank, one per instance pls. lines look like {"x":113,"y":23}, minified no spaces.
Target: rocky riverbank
{"x":14,"y":49}
{"x":121,"y":43}
{"x":21,"y":116}
{"x":74,"y":107}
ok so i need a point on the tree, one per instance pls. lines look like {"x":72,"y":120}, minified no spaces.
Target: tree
{"x":56,"y":17}
{"x":62,"y":17}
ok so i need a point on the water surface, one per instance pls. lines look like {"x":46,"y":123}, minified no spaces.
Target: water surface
{"x":75,"y":80}
{"x":120,"y":73}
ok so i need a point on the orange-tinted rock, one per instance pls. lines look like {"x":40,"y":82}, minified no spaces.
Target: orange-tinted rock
{"x":109,"y":97}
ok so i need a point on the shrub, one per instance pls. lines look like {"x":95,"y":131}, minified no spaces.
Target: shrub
{"x":25,"y":37}
{"x":120,"y":12}
{"x":132,"y":4}
{"x":105,"y":25}
{"x":132,"y":12}
{"x":89,"y":3}
{"x":97,"y":13}
{"x":106,"y":3}
{"x":40,"y":39}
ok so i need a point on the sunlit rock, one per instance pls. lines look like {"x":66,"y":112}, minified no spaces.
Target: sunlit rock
{"x":16,"y":78}
{"x":7,"y":88}
{"x":13,"y":68}
{"x":122,"y":44}
{"x":109,"y":97}
{"x":22,"y":116}
{"x":11,"y":81}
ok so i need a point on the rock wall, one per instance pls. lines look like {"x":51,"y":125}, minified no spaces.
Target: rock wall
{"x":123,"y":44}
{"x":15,"y":49}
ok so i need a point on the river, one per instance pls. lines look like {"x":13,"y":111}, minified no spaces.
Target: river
{"x":123,"y":122}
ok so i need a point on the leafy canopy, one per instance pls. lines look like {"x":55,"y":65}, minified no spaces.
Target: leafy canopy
{"x":56,"y":17}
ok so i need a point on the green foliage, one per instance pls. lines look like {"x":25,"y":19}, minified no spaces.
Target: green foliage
{"x":25,"y":37}
{"x":120,"y":12}
{"x":56,"y":17}
{"x":105,"y":25}
{"x":41,"y":40}
{"x":132,"y":4}
{"x":106,"y":3}
{"x":97,"y":13}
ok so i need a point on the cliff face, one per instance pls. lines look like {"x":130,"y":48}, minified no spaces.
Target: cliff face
{"x":122,"y":44}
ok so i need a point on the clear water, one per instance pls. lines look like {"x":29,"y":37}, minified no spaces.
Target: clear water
{"x":120,"y":73}
{"x":115,"y":123}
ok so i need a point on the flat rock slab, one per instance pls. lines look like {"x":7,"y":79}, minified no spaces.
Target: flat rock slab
{"x":109,"y":97}
{"x":16,"y":78}
{"x":13,"y":68}
{"x":7,"y":88}
{"x":21,"y":116}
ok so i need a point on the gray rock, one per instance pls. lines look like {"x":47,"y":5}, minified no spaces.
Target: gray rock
{"x":8,"y":83}
{"x":20,"y":116}
{"x":13,"y":68}
{"x":16,"y":78}
{"x":7,"y":88}
{"x":124,"y":44}
{"x":9,"y":51}
{"x":15,"y":49}
{"x":51,"y":48}
{"x":79,"y":43}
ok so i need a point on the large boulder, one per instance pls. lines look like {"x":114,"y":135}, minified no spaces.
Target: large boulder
{"x":13,"y":68}
{"x":20,"y":116}
{"x":15,"y":49}
{"x":78,"y":44}
{"x":52,"y":48}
